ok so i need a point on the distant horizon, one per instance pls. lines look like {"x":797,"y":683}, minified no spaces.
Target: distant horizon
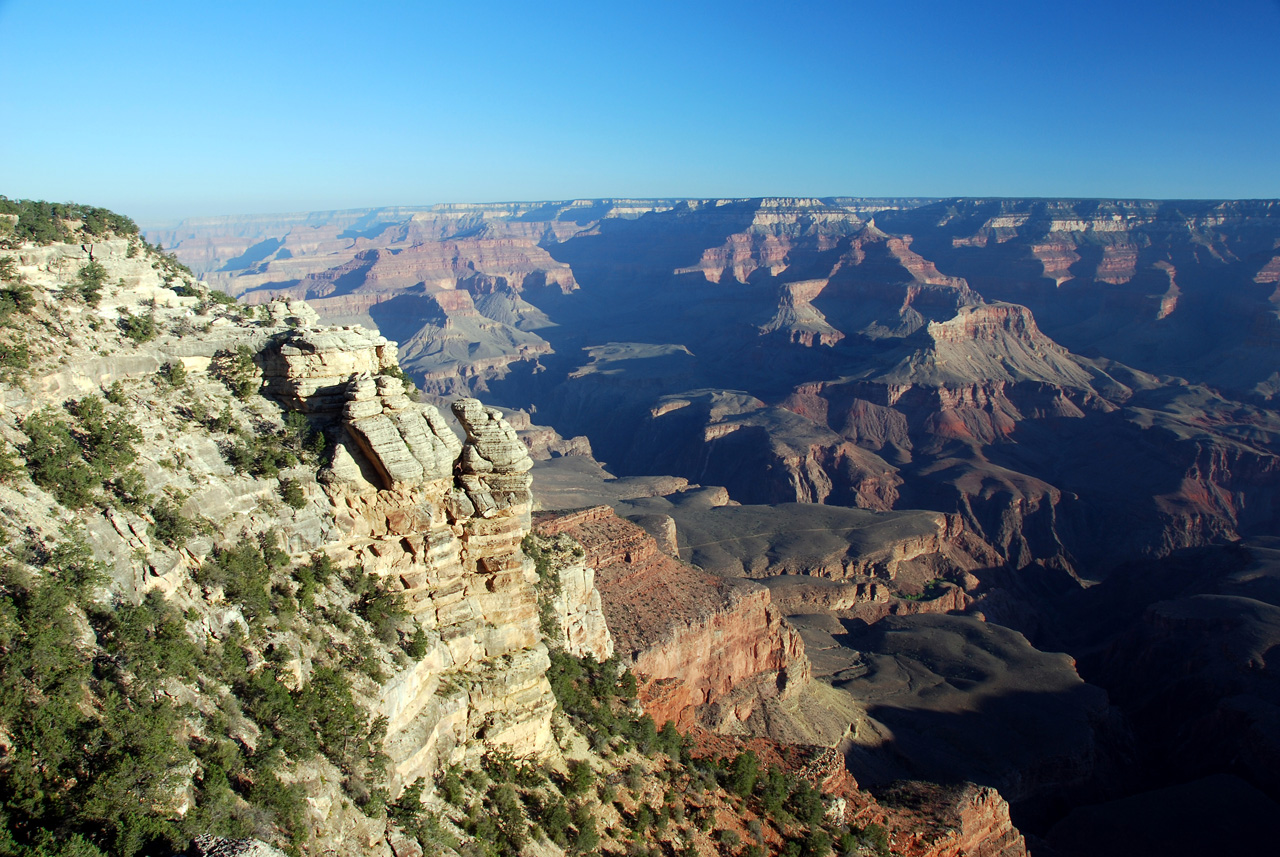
{"x":169,"y":223}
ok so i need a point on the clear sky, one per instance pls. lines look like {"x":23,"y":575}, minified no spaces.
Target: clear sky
{"x":162,"y":110}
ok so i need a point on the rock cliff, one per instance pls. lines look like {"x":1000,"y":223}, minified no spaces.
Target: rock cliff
{"x":974,"y":822}
{"x":426,"y":524}
{"x":440,"y":520}
{"x":712,"y":649}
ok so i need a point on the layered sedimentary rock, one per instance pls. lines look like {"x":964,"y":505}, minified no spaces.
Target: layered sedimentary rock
{"x":573,"y":614}
{"x":975,"y":822}
{"x":545,"y":442}
{"x":439,"y":520}
{"x":711,"y":648}
{"x":1155,"y":284}
{"x":309,"y":369}
{"x":858,"y":355}
{"x":766,"y":241}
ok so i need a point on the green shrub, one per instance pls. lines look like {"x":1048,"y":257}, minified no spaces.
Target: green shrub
{"x":98,"y":777}
{"x":285,"y":802}
{"x":15,"y":355}
{"x":774,"y":789}
{"x":55,"y":460}
{"x":171,"y":526}
{"x":244,"y":572}
{"x":9,"y":466}
{"x":220,"y":297}
{"x":581,"y":778}
{"x":292,"y":494}
{"x":408,"y":812}
{"x":450,"y":786}
{"x":130,"y":488}
{"x":311,"y":576}
{"x":805,"y":803}
{"x":553,"y":817}
{"x":138,"y":328}
{"x":226,"y":421}
{"x":107,"y":442}
{"x":876,"y":838}
{"x":237,"y":370}
{"x":670,"y":741}
{"x":816,"y":843}
{"x":587,"y":838}
{"x":728,"y":838}
{"x":174,"y":373}
{"x":381,"y":608}
{"x":301,"y":437}
{"x":261,"y":455}
{"x":743,"y":773}
{"x":416,"y":646}
{"x":89,"y":282}
{"x":513,"y":829}
{"x":16,"y":297}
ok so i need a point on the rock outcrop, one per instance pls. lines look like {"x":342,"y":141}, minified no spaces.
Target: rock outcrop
{"x":440,"y":520}
{"x":968,"y":821}
{"x":711,"y":649}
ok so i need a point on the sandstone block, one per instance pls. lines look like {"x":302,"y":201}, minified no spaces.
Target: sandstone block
{"x":387,"y":450}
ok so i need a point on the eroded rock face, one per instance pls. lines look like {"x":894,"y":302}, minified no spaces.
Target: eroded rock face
{"x":712,"y":648}
{"x":310,"y":368}
{"x":579,"y":625}
{"x":439,"y":520}
{"x":977,"y":819}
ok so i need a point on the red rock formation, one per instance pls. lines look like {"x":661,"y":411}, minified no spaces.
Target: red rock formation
{"x":709,"y":648}
{"x":921,"y":819}
{"x":776,"y":227}
{"x":972,"y":821}
{"x":1270,"y":272}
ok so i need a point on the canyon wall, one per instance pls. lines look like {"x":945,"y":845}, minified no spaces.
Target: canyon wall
{"x":711,"y":649}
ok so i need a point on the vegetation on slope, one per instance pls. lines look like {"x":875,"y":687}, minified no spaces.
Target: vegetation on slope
{"x":43,"y":222}
{"x":130,"y":725}
{"x":645,"y":792}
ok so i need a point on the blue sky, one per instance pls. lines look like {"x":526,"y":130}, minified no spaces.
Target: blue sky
{"x":162,"y":110}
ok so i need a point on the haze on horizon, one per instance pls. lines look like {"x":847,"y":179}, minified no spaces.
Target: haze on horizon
{"x":164,"y":111}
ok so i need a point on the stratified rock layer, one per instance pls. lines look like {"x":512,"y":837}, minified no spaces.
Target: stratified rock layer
{"x":712,"y":647}
{"x":440,"y":521}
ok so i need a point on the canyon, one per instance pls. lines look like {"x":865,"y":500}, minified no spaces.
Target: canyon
{"x":912,"y":426}
{"x":883,"y":355}
{"x":868,"y":464}
{"x":325,"y":538}
{"x":836,"y":481}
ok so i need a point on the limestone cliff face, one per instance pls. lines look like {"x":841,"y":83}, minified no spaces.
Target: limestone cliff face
{"x":440,"y":520}
{"x":712,"y":649}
